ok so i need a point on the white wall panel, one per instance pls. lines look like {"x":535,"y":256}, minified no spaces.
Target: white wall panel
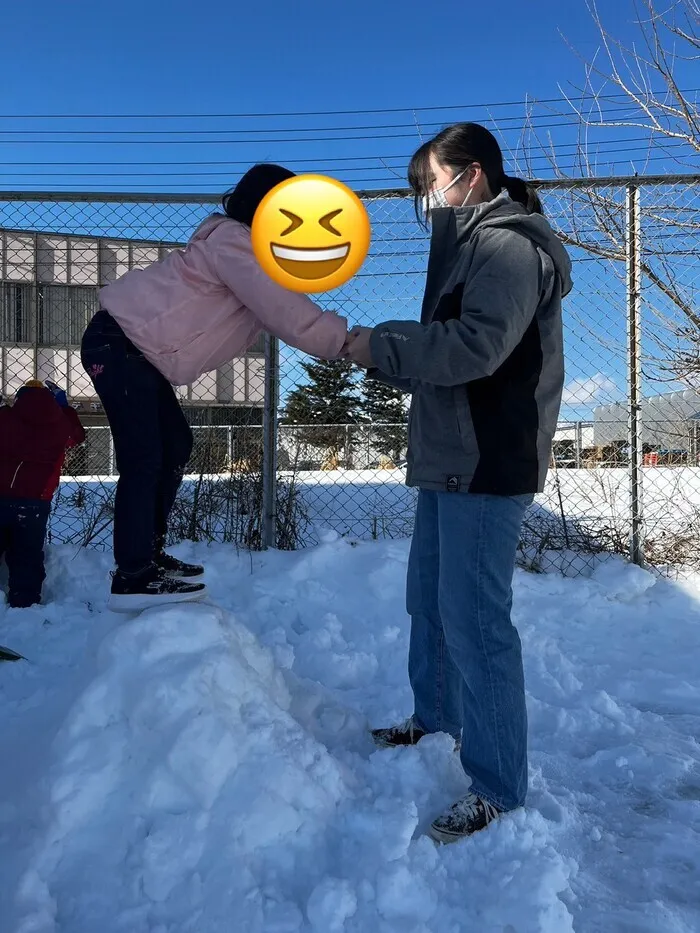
{"x":52,"y":260}
{"x":19,"y":367}
{"x":84,"y":255}
{"x":143,"y":256}
{"x":204,"y":389}
{"x":53,"y":365}
{"x":80,"y":383}
{"x":114,"y":260}
{"x":256,"y":379}
{"x":19,"y":257}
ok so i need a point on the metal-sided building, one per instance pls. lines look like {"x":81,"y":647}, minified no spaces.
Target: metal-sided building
{"x":669,"y":423}
{"x":49,"y":285}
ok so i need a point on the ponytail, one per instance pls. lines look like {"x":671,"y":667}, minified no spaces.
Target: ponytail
{"x":523,"y":193}
{"x":457,"y":147}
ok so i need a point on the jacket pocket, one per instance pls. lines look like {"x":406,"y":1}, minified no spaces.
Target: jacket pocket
{"x":463,"y":411}
{"x":89,"y":352}
{"x":439,"y":434}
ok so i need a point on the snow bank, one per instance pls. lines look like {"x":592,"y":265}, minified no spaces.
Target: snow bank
{"x":376,"y":505}
{"x":208,"y":767}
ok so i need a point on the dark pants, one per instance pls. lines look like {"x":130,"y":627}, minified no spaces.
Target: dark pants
{"x":22,"y":533}
{"x":152,"y":440}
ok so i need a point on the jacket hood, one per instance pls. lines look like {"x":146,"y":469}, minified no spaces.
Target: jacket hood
{"x":505,"y":213}
{"x":210,"y":224}
{"x":36,"y":406}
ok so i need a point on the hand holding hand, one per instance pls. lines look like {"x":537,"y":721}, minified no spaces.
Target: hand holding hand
{"x":357,"y":347}
{"x":345,"y":349}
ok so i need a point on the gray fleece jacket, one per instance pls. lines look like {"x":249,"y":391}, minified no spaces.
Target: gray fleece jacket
{"x":485,"y":365}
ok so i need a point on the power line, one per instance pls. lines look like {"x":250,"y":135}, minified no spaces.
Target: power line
{"x":633,"y":152}
{"x":293,"y":129}
{"x":235,"y":142}
{"x":563,"y":121}
{"x":90,"y":140}
{"x":364,"y":179}
{"x":303,"y":113}
{"x":333,"y":159}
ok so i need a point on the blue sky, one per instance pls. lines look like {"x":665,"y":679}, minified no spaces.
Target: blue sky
{"x":240,"y":58}
{"x":279,"y":56}
{"x":164,"y":60}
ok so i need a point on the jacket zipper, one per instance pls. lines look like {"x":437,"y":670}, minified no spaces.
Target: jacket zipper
{"x":16,"y":472}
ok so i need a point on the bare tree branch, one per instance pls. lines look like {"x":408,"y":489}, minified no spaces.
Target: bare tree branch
{"x":645,"y":79}
{"x":636,"y":85}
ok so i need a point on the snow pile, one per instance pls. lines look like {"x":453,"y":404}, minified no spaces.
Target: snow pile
{"x":176,"y":765}
{"x":207,"y":767}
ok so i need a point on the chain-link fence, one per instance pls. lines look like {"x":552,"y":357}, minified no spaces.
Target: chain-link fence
{"x":632,"y":339}
{"x":287,"y":447}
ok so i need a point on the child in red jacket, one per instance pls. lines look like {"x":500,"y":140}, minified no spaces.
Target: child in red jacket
{"x":34,"y":436}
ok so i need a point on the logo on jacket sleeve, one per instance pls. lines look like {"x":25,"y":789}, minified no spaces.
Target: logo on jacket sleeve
{"x":453,"y":483}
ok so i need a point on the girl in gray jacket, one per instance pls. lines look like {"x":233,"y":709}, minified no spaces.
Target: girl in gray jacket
{"x":485,"y":368}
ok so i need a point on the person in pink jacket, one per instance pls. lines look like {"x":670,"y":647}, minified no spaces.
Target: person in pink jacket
{"x":165,"y":326}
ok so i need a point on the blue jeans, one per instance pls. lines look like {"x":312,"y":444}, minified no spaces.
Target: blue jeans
{"x":465,"y":660}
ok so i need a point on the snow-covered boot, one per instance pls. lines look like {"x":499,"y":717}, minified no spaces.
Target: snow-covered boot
{"x":405,"y":733}
{"x":469,"y":815}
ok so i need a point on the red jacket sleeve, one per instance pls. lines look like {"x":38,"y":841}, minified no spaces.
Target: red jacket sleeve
{"x":77,"y":431}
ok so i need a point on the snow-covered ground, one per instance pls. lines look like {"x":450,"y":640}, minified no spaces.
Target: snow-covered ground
{"x":375,"y":504}
{"x":207,"y":768}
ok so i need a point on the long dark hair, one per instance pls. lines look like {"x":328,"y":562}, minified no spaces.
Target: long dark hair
{"x":241,"y":202}
{"x":457,"y":147}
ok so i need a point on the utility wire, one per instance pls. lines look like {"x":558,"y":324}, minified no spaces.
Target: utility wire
{"x":312,"y":113}
{"x":600,"y":147}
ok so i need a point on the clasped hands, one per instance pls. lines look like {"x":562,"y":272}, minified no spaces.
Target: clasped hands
{"x":356,"y":347}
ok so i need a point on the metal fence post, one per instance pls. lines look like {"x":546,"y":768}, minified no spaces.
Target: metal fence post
{"x":634,"y":371}
{"x":578,"y":443}
{"x":269,"y":477}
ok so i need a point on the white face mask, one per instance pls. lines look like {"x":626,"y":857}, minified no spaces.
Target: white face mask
{"x":436,"y":198}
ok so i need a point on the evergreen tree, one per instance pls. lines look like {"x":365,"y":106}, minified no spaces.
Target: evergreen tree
{"x":329,"y":397}
{"x":384,"y":405}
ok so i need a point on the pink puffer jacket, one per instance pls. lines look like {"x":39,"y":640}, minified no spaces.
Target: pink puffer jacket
{"x":203,"y":305}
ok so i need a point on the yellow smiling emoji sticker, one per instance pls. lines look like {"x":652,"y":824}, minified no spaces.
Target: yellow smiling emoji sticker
{"x":311,"y":233}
